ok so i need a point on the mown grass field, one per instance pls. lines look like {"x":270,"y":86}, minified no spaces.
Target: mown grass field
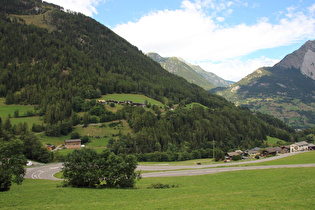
{"x":254,"y":189}
{"x":132,"y":97}
{"x":6,"y":110}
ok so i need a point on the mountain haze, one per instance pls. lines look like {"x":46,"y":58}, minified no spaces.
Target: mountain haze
{"x":286,"y":90}
{"x":192,"y":73}
{"x":211,"y":77}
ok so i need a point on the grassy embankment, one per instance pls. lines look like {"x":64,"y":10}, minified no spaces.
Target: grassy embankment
{"x":299,"y":158}
{"x":266,"y":189}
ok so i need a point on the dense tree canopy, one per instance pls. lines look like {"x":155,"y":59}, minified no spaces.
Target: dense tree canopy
{"x":12,"y":162}
{"x":87,"y":168}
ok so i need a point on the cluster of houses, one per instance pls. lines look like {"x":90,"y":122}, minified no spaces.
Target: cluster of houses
{"x":264,"y":152}
{"x":121,"y":102}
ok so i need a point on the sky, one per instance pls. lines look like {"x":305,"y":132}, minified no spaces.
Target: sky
{"x":231,"y":38}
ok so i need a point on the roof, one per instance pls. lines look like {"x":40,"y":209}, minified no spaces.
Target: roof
{"x":233,"y":154}
{"x":73,"y":140}
{"x":302,"y":143}
{"x":271,"y":149}
{"x":311,"y":145}
{"x":239,"y":151}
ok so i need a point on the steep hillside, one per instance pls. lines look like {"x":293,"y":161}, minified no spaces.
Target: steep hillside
{"x":286,"y":90}
{"x":180,"y":68}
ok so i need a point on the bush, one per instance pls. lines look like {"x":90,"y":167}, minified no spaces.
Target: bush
{"x":38,"y":128}
{"x":236,"y":157}
{"x":75,"y":135}
{"x":161,"y":186}
{"x":87,"y":168}
{"x":85,"y":139}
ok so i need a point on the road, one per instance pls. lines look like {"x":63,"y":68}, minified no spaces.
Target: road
{"x":47,"y":171}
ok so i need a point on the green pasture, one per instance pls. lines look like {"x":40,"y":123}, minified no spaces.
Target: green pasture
{"x":28,"y":120}
{"x":136,"y":98}
{"x":53,"y":140}
{"x":205,"y":161}
{"x":290,"y":188}
{"x":191,"y":105}
{"x":300,"y":158}
{"x":99,"y":134}
{"x":273,"y":141}
{"x":6,"y":110}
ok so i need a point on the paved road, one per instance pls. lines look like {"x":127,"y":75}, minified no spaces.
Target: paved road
{"x":47,"y":171}
{"x":43,"y":172}
{"x":218,"y":170}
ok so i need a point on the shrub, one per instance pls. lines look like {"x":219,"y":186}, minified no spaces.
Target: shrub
{"x":161,"y":186}
{"x":87,"y":168}
{"x":236,"y":157}
{"x":75,"y":135}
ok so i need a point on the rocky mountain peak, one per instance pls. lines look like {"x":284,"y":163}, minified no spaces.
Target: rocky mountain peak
{"x":303,"y":59}
{"x":155,"y":56}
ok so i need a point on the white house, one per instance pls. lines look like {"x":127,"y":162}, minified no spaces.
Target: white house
{"x":299,"y":146}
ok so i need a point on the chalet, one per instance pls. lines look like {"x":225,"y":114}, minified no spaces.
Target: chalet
{"x":253,"y":152}
{"x":113,"y":101}
{"x":311,"y":147}
{"x":73,"y":144}
{"x":138,"y":104}
{"x":128,"y":102}
{"x":102,"y":102}
{"x":299,"y":146}
{"x":271,"y":151}
{"x":229,"y":155}
{"x":50,"y":147}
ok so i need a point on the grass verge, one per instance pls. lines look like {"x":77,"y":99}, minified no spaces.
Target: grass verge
{"x":253,"y":189}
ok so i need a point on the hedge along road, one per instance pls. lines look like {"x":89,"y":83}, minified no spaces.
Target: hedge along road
{"x":48,"y":171}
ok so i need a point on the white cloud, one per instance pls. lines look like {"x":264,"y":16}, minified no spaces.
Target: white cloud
{"x":236,"y":69}
{"x":87,"y":7}
{"x":194,"y":33}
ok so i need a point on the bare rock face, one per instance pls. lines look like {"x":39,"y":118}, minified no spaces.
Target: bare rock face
{"x":308,"y":65}
{"x":303,"y":59}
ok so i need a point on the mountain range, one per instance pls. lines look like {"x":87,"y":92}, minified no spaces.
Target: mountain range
{"x":192,"y":73}
{"x":286,"y":90}
{"x":62,"y":62}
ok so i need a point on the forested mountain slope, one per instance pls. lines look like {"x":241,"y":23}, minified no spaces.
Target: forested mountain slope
{"x":180,"y":68}
{"x":286,"y":90}
{"x":57,"y":60}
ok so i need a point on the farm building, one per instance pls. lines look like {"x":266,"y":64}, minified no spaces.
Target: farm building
{"x":73,"y":144}
{"x":299,"y":146}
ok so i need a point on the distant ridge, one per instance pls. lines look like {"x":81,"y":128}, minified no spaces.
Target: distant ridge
{"x":286,"y":90}
{"x":192,"y":73}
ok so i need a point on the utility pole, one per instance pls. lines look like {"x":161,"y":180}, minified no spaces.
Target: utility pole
{"x":213,"y":150}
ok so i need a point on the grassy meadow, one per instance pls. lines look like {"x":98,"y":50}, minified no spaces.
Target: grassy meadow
{"x":7,"y":110}
{"x":136,"y":98}
{"x":301,"y":158}
{"x":272,"y":141}
{"x":255,"y":189}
